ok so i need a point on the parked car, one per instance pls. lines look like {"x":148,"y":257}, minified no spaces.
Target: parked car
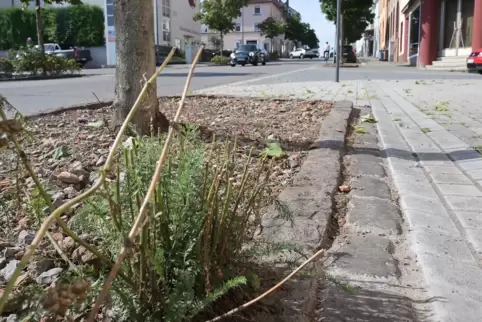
{"x":247,"y":54}
{"x":474,"y":62}
{"x":303,"y":53}
{"x":82,"y":56}
{"x":349,"y":55}
{"x":266,"y":54}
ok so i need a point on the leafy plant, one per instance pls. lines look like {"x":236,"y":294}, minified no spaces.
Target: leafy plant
{"x":201,"y":216}
{"x":6,"y":68}
{"x":220,"y":60}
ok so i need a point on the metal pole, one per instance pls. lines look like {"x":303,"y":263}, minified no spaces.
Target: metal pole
{"x":338,"y":40}
{"x":458,"y":26}
{"x":242,"y":26}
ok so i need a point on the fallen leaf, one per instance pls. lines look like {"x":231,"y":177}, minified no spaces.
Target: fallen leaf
{"x":368,"y":119}
{"x":344,"y":188}
{"x":273,"y":149}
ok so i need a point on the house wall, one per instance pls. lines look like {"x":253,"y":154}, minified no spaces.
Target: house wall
{"x":246,"y":28}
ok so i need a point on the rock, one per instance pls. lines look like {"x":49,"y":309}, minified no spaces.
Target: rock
{"x":94,"y":176}
{"x":50,"y":276}
{"x":67,"y":244}
{"x":11,"y":251}
{"x":25,"y":237}
{"x":67,"y":177}
{"x":4,"y":245}
{"x":83,"y":256}
{"x":100,"y":161}
{"x":58,"y":195}
{"x":9,"y":269}
{"x":58,"y":202}
{"x":78,"y":169}
{"x":40,"y":266}
{"x":294,"y":161}
{"x":70,"y":192}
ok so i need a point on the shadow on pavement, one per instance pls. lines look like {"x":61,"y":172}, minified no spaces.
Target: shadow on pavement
{"x":370,"y":305}
{"x":207,"y":74}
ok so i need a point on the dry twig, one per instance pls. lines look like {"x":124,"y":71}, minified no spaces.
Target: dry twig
{"x":141,"y":218}
{"x":65,"y":207}
{"x":271,"y":290}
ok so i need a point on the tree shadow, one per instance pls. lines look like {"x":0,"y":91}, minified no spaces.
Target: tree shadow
{"x":365,"y":303}
{"x":207,"y":74}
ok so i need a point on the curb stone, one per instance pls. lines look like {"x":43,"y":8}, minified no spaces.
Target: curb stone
{"x":311,"y":201}
{"x":370,"y":248}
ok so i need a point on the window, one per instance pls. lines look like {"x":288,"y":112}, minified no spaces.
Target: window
{"x":256,"y":26}
{"x":257,"y":10}
{"x":166,"y":8}
{"x":166,"y":31}
{"x":238,"y":27}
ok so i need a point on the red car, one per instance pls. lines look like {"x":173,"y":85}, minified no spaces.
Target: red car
{"x":474,"y":62}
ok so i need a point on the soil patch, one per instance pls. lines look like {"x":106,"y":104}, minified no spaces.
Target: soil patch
{"x":66,"y":148}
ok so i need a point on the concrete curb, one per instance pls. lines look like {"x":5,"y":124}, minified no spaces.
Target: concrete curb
{"x":40,"y":78}
{"x":310,"y":199}
{"x":310,"y":202}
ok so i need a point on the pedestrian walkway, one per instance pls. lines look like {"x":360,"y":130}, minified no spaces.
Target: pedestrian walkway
{"x":430,"y":133}
{"x":439,"y":195}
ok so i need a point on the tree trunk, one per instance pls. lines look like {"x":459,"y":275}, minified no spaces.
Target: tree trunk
{"x":40,"y":26}
{"x":221,"y":37}
{"x":135,"y":63}
{"x":40,"y":32}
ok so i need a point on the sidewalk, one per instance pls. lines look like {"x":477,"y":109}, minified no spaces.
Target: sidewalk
{"x":429,"y":133}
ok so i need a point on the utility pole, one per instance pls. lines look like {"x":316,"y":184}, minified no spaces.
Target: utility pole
{"x":242,"y":26}
{"x":338,"y":46}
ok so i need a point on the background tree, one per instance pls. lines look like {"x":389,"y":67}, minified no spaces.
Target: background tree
{"x":294,"y":29}
{"x":38,"y":16}
{"x":135,"y":48}
{"x":310,"y":39}
{"x":219,"y":15}
{"x":357,"y":15}
{"x":215,"y":41}
{"x":271,"y":28}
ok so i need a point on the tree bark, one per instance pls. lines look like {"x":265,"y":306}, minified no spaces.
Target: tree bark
{"x":40,"y":32}
{"x":40,"y":26}
{"x":135,"y":64}
{"x":221,"y":37}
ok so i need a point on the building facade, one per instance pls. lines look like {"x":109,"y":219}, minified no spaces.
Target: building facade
{"x":247,"y":27}
{"x":173,"y":23}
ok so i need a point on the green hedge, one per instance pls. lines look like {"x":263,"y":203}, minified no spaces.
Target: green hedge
{"x":81,"y":25}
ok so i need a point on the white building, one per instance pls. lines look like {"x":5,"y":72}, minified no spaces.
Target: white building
{"x":173,"y":23}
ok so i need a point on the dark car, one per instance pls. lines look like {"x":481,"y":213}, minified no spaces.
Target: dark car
{"x":474,"y":62}
{"x":247,"y":54}
{"x":349,"y":55}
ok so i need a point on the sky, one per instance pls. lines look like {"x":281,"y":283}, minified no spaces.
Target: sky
{"x":311,"y":13}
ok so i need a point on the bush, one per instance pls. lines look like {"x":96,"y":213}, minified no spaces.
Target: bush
{"x":81,"y":25}
{"x":220,"y":60}
{"x":6,"y":68}
{"x":31,"y":61}
{"x":274,"y":55}
{"x":200,"y":217}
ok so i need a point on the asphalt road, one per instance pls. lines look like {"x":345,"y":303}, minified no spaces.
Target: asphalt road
{"x":31,"y":97}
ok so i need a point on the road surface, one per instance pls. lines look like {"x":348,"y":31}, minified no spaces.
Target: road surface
{"x":32,"y":97}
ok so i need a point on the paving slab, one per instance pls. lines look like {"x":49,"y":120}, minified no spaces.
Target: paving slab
{"x":369,"y":187}
{"x":444,"y":219}
{"x":366,"y":255}
{"x":377,"y":216}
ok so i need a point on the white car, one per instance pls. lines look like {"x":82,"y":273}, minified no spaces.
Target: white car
{"x":303,"y":53}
